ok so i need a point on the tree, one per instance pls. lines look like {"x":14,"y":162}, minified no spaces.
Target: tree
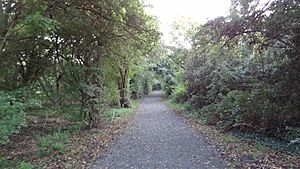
{"x":61,"y":47}
{"x":242,"y":70}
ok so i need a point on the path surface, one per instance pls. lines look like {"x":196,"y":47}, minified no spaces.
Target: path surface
{"x":158,"y":138}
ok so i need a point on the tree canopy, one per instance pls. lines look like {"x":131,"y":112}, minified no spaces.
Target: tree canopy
{"x":77,"y":60}
{"x":242,"y":71}
{"x":73,"y":52}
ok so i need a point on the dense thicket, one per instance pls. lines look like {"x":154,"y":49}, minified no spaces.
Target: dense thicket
{"x":243,"y":70}
{"x":81,"y":54}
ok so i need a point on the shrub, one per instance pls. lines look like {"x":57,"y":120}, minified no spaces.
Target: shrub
{"x":169,"y":84}
{"x":12,"y":116}
{"x":233,"y":108}
{"x":180,"y":94}
{"x":237,"y":109}
{"x":249,"y":111}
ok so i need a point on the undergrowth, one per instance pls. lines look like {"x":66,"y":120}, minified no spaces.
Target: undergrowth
{"x":114,"y":114}
{"x":258,"y":139}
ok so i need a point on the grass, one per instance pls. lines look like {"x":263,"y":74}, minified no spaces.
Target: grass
{"x":72,"y":112}
{"x":114,"y":114}
{"x":55,"y":138}
{"x":75,"y":128}
{"x":4,"y":163}
{"x":67,"y":112}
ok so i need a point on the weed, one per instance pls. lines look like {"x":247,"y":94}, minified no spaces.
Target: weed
{"x":25,"y":165}
{"x":4,"y":163}
{"x":76,"y":128}
{"x":51,"y":143}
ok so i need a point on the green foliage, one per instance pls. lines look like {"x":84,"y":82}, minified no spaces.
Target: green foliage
{"x":230,"y":110}
{"x":113,"y":114}
{"x":141,"y":84}
{"x":32,"y":99}
{"x":38,"y":25}
{"x":68,"y":112}
{"x":25,"y":165}
{"x":113,"y":95}
{"x":242,"y":73}
{"x":262,"y":141}
{"x":74,"y":56}
{"x":171,"y":69}
{"x":76,"y":128}
{"x":71,"y":60}
{"x":4,"y":163}
{"x":12,"y":116}
{"x":93,"y":104}
{"x":169,"y":84}
{"x":52,"y":143}
{"x":180,"y":94}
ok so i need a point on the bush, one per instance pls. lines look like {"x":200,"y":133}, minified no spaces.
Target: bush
{"x":232,"y":110}
{"x":180,"y":94}
{"x":240,"y":83}
{"x":169,"y":84}
{"x":12,"y":116}
{"x":249,"y":111}
{"x":51,"y":143}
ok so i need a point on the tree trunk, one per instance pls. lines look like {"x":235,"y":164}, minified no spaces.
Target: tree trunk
{"x":58,"y":89}
{"x":87,"y":108}
{"x":2,"y":18}
{"x":5,"y":26}
{"x":124,"y":101}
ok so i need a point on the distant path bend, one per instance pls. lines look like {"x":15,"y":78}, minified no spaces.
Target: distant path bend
{"x":158,"y":138}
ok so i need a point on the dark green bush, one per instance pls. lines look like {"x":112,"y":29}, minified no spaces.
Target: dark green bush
{"x":246,"y":78}
{"x":232,"y":110}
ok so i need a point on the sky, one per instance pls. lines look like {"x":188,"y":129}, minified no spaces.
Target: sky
{"x":197,"y":10}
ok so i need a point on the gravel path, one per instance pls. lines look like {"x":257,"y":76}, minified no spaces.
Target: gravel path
{"x":158,"y":138}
